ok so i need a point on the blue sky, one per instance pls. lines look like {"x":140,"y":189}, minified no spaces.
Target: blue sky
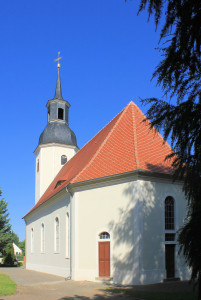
{"x":108,"y":57}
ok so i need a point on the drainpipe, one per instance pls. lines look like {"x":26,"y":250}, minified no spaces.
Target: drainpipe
{"x":71,"y":196}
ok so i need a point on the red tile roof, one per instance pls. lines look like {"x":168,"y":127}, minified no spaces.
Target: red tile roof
{"x":123,"y":145}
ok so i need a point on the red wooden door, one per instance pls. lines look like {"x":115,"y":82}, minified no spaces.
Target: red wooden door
{"x":104,"y":259}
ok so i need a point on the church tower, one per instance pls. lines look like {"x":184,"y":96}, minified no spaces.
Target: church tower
{"x":57,"y":143}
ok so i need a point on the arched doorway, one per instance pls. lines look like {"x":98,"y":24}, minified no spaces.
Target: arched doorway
{"x":104,"y":254}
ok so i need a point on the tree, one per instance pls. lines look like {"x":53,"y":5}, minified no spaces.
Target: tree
{"x":5,"y":227}
{"x":9,"y":258}
{"x":14,"y":238}
{"x":179,"y":74}
{"x":21,"y":245}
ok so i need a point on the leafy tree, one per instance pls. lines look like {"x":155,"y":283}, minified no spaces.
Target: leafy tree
{"x":179,"y":74}
{"x":5,"y":227}
{"x":21,"y":245}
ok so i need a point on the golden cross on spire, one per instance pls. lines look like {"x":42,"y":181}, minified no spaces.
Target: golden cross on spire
{"x":58,"y":59}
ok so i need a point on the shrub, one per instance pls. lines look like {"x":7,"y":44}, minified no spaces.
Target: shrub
{"x":9,"y":258}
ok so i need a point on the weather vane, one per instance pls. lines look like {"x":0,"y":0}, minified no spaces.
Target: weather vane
{"x":58,"y":59}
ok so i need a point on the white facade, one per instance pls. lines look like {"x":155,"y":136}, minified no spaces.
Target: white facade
{"x":47,"y":258}
{"x":48,"y":164}
{"x":130,"y":209}
{"x":16,"y":249}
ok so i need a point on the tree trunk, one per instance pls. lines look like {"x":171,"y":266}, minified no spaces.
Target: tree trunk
{"x":199,"y":286}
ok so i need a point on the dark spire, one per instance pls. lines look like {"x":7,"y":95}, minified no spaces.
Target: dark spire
{"x":58,"y":92}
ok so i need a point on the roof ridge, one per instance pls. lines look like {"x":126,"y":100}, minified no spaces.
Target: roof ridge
{"x":157,"y":132}
{"x":104,"y":142}
{"x":135,"y":134}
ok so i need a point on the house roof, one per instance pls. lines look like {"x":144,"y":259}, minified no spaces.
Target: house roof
{"x":125,"y":144}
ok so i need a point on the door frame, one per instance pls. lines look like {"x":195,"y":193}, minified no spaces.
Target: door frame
{"x":97,"y":250}
{"x":174,"y":245}
{"x":99,"y":243}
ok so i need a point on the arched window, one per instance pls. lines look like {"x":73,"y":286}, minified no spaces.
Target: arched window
{"x":169,"y":213}
{"x":42,"y":238}
{"x":104,"y":236}
{"x":57,"y":238}
{"x":32,"y":240}
{"x":63,"y":159}
{"x":60,"y":113}
{"x":67,"y":235}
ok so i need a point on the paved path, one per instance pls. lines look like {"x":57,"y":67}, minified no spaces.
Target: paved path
{"x":35,"y":285}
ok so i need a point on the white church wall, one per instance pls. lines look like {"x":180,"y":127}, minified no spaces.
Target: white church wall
{"x":49,"y":261}
{"x":154,"y":195}
{"x":133,"y":214}
{"x":49,"y":157}
{"x":112,"y":208}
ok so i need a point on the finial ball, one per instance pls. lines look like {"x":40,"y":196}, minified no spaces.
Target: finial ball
{"x":58,"y":65}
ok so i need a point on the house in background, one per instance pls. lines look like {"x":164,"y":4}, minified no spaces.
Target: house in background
{"x":17,"y":250}
{"x":109,"y":210}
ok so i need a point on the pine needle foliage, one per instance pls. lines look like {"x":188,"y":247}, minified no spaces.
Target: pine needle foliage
{"x":5,"y":227}
{"x":179,"y":75}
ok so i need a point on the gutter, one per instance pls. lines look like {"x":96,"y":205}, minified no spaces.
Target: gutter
{"x":70,"y":232}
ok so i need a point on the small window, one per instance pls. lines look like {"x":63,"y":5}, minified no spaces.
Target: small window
{"x":59,"y":183}
{"x":42,"y":238}
{"x":57,"y":238}
{"x":48,"y":115}
{"x":104,"y":236}
{"x":60,"y":113}
{"x":169,"y":237}
{"x":37,"y":165}
{"x":63,"y":159}
{"x":169,"y":213}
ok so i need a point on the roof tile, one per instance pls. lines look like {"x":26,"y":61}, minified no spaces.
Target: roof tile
{"x":123,"y":145}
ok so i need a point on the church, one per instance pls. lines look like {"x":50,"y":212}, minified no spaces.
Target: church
{"x":107,"y":211}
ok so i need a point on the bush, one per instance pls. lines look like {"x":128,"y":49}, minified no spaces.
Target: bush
{"x":9,"y":258}
{"x":20,"y":257}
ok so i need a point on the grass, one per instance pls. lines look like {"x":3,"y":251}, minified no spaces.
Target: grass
{"x":7,"y":286}
{"x":148,"y":295}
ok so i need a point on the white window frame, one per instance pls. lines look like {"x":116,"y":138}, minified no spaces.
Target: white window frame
{"x":173,"y":231}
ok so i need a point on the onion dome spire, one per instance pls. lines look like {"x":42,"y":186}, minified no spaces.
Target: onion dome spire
{"x":58,"y":91}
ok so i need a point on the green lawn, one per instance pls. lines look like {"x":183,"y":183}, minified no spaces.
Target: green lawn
{"x":147,"y":295}
{"x":7,"y":286}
